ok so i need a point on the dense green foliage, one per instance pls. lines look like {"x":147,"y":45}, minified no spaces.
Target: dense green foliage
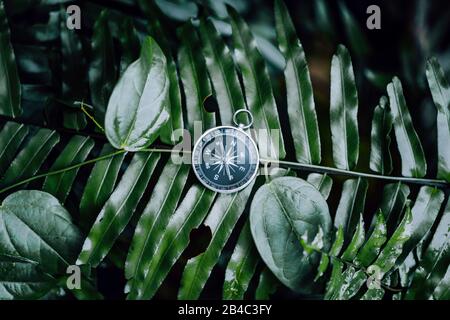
{"x":92,"y":187}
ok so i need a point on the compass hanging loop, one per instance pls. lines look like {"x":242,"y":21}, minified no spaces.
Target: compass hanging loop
{"x":242,"y":125}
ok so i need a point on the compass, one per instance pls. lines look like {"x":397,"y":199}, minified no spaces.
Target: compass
{"x":225,"y":158}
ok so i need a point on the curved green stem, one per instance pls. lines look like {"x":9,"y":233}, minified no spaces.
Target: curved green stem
{"x":89,"y":115}
{"x":50,"y":173}
{"x":264,"y":162}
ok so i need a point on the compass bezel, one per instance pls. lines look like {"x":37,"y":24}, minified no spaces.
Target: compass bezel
{"x":196,"y":153}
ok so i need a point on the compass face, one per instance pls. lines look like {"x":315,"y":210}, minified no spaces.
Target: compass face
{"x":225,"y":159}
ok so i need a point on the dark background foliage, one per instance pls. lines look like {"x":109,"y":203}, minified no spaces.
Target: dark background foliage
{"x":411,"y":32}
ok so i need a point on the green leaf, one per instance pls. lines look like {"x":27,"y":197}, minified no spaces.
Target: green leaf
{"x":34,"y":264}
{"x":87,"y":291}
{"x":219,"y":6}
{"x":153,"y":221}
{"x":241,"y":267}
{"x":424,"y":213}
{"x":175,"y":239}
{"x":174,"y":101}
{"x":269,"y":51}
{"x":35,"y":228}
{"x":11,"y":137}
{"x":336,"y":248}
{"x":154,"y":27}
{"x":371,"y":248}
{"x":352,"y":280}
{"x":343,"y":111}
{"x":222,"y":71}
{"x":377,"y":79}
{"x":137,"y":107}
{"x":33,"y":62}
{"x":324,"y":22}
{"x":322,"y":182}
{"x":434,"y":263}
{"x":194,"y":77}
{"x":380,"y":156}
{"x":393,"y":201}
{"x":22,"y":6}
{"x":338,"y":242}
{"x":323,"y":266}
{"x":351,"y":205}
{"x":258,"y":88}
{"x":408,"y":143}
{"x":221,"y":221}
{"x":276,"y":172}
{"x":118,"y":210}
{"x":103,"y":67}
{"x":99,"y":186}
{"x":355,"y":36}
{"x":283,"y":211}
{"x":73,"y":73}
{"x":300,"y":99}
{"x":129,"y":42}
{"x":440,"y":90}
{"x":178,"y":11}
{"x":393,"y":248}
{"x":10,"y":93}
{"x":373,"y":294}
{"x":23,"y":281}
{"x":31,"y":157}
{"x":75,"y":152}
{"x":267,"y":285}
{"x":312,"y":245}
{"x":176,"y":116}
{"x":356,"y":242}
{"x":336,"y":279}
{"x":442,"y":291}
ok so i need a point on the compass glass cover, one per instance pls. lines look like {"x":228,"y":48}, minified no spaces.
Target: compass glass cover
{"x":225,"y":159}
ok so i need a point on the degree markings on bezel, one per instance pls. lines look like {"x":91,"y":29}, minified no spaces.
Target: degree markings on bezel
{"x":225,"y":174}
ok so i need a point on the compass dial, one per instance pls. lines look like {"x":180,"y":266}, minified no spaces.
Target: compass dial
{"x":225,"y":159}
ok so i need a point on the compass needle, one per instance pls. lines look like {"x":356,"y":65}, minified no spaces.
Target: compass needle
{"x":227,"y":168}
{"x":233,"y":164}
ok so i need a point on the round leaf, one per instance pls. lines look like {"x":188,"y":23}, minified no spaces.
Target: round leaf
{"x":34,"y":227}
{"x":137,"y":108}
{"x":282,"y":213}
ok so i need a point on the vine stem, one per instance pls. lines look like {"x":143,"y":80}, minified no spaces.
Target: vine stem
{"x":88,"y":114}
{"x":50,"y":173}
{"x":78,"y":165}
{"x":264,"y":162}
{"x":322,"y":169}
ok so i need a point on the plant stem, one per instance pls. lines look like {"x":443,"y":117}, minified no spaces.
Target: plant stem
{"x":78,"y":165}
{"x":50,"y":173}
{"x":90,"y":116}
{"x":265,"y":162}
{"x":316,"y":168}
{"x":98,"y":136}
